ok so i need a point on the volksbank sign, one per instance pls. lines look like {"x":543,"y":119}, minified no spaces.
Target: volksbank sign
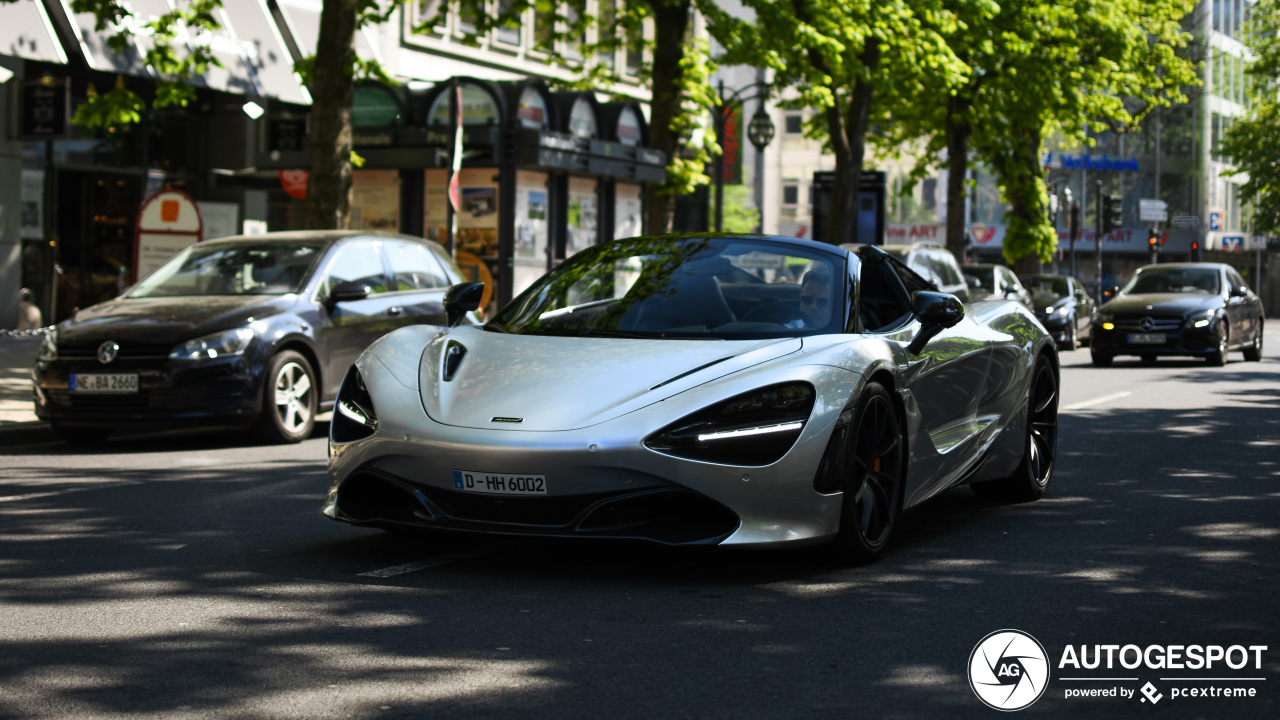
{"x":1087,"y":162}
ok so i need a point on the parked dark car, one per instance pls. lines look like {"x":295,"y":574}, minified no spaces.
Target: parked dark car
{"x":1183,"y":309}
{"x":255,"y":330}
{"x":1062,"y":305}
{"x":934,"y":263}
{"x":995,"y":282}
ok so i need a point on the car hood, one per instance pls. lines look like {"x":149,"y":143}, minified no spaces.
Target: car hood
{"x":156,"y":321}
{"x":538,"y":383}
{"x":1162,"y":303}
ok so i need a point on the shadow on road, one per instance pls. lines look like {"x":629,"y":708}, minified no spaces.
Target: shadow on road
{"x":1135,"y":543}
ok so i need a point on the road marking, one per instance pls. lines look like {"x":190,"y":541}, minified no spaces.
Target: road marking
{"x":67,"y":491}
{"x":417,"y":565}
{"x":1097,"y":401}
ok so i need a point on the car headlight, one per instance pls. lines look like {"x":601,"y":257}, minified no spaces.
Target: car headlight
{"x":49,"y":347}
{"x":756,"y":428}
{"x":1062,"y":310}
{"x":1105,"y":320}
{"x":354,"y":417}
{"x":1201,"y":319}
{"x":220,"y":344}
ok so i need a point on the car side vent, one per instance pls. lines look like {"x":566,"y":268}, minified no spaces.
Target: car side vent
{"x":453,"y":355}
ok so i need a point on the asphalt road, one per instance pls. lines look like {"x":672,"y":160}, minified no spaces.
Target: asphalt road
{"x":192,"y":576}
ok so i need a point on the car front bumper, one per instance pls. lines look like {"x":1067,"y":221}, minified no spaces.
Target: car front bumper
{"x":1184,"y":341}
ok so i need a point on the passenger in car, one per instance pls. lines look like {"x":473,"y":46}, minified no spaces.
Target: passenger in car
{"x":815,"y":297}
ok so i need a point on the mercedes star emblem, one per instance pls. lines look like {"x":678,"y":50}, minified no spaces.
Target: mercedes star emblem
{"x":1147,"y":325}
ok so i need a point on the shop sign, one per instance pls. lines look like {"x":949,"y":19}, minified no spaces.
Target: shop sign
{"x":731,"y":144}
{"x":168,"y":222}
{"x":1088,"y":162}
{"x":46,"y":106}
{"x":294,"y":183}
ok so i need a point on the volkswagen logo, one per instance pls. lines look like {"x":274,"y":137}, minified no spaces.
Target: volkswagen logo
{"x":1146,"y":325}
{"x":107,"y":352}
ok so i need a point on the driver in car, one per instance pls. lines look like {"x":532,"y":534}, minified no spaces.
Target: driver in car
{"x":815,"y":299}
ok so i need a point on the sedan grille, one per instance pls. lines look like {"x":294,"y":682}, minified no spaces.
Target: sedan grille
{"x":128,"y":350}
{"x":1147,"y":324}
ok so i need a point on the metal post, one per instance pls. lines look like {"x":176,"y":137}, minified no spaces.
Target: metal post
{"x":1097,"y":240}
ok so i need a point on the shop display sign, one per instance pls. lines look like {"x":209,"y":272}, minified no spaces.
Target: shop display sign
{"x":583,"y":214}
{"x":375,"y":200}
{"x":31,"y":197}
{"x":168,"y":223}
{"x":46,"y":105}
{"x":628,"y":211}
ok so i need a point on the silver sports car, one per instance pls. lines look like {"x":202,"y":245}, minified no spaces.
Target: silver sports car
{"x":698,"y":390}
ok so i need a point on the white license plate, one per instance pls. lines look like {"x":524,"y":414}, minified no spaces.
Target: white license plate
{"x":104,"y":383}
{"x":1146,"y":339}
{"x":499,"y":483}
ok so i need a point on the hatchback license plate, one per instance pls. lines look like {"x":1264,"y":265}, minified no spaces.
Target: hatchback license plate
{"x":116,"y":383}
{"x":1146,"y":339}
{"x":499,"y":483}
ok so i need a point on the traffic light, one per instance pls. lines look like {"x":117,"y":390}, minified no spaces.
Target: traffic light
{"x":1153,"y":239}
{"x":1195,"y":251}
{"x":1073,"y":220}
{"x":1112,"y":210}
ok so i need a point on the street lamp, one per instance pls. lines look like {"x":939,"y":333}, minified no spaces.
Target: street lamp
{"x":760,"y":132}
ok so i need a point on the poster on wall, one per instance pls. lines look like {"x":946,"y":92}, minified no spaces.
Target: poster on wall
{"x":627,"y":211}
{"x":32,"y":202}
{"x":531,"y":228}
{"x":375,"y":200}
{"x":478,"y":220}
{"x":221,"y":219}
{"x":582,"y":215}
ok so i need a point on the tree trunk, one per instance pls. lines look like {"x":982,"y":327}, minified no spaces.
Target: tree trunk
{"x":958,"y":132}
{"x":329,"y":185}
{"x":1027,"y":230}
{"x":848,"y":131}
{"x":670,"y":22}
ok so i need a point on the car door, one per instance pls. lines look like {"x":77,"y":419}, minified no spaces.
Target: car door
{"x":418,"y":283}
{"x":1243,"y":308}
{"x":347,"y":328}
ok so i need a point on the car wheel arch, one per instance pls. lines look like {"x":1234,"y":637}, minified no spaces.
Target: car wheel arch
{"x":887,"y":380}
{"x":299,"y":345}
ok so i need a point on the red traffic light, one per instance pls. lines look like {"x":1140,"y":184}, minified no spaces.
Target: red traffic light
{"x":1153,"y":238}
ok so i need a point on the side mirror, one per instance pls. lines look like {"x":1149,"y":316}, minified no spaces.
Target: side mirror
{"x":347,"y":291}
{"x":462,"y":299}
{"x":1238,"y":291}
{"x":937,"y":312}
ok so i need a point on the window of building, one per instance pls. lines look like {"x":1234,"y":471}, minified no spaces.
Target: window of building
{"x":606,"y":31}
{"x":544,"y":24}
{"x":794,"y":123}
{"x":427,"y":12}
{"x":790,"y":193}
{"x":508,"y":34}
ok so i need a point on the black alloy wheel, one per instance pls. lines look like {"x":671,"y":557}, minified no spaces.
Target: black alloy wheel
{"x":1031,"y":480}
{"x":1218,"y":357}
{"x":873,"y":478}
{"x":1147,"y":358}
{"x":288,"y":399}
{"x":1100,"y":359}
{"x":1253,"y":353}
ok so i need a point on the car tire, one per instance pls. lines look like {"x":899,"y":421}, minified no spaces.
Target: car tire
{"x":288,"y":400}
{"x":1072,"y":339}
{"x":79,"y":435}
{"x":874,"y":475}
{"x":1218,"y":357}
{"x":1031,"y":480}
{"x":1100,"y":359}
{"x":1147,"y":358}
{"x":1253,"y":353}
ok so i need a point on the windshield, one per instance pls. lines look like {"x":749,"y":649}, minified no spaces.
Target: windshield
{"x":682,"y":287}
{"x":979,"y":278}
{"x":273,"y":268}
{"x":1172,"y":279}
{"x":1047,"y":285}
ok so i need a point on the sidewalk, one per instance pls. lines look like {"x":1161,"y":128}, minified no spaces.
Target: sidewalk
{"x":18,"y":422}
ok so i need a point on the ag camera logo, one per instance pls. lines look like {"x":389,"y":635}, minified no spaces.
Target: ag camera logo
{"x":1008,"y":670}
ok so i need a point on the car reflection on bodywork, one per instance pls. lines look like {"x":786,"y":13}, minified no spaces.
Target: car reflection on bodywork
{"x":1062,"y":306}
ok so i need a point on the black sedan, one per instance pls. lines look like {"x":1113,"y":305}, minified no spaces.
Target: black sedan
{"x":254,"y":330}
{"x":1182,"y":309}
{"x":1062,"y":306}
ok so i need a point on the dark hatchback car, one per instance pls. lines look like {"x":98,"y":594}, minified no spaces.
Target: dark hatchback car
{"x":1062,"y":306}
{"x":254,"y":330}
{"x":995,"y":282}
{"x":1183,"y":309}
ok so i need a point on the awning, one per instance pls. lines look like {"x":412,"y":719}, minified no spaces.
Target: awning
{"x":250,"y":47}
{"x":25,"y":32}
{"x":302,"y":21}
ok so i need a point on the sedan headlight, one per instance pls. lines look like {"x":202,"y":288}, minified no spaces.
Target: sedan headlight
{"x":756,"y":428}
{"x":221,"y":344}
{"x":1063,"y":310}
{"x":49,"y":347}
{"x":1201,"y":319}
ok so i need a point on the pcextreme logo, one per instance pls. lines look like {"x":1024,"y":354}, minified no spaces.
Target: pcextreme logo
{"x":1009,"y":670}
